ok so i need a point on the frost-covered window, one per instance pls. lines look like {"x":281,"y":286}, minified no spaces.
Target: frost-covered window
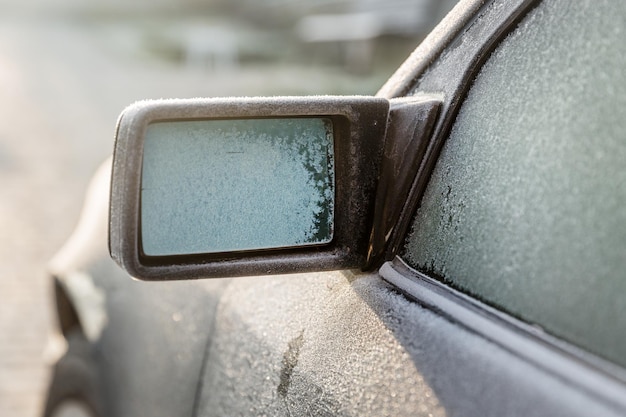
{"x":526,"y":208}
{"x":229,"y":185}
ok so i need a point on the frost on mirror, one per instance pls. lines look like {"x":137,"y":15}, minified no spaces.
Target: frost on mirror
{"x":213,"y":186}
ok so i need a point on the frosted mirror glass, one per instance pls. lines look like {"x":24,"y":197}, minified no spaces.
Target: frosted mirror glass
{"x":213,"y":186}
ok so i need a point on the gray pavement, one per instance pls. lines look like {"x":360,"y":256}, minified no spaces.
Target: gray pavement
{"x":62,"y":84}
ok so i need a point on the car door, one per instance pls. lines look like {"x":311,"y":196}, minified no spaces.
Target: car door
{"x":502,"y":290}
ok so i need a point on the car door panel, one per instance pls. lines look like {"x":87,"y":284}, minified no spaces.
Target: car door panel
{"x":151,"y":352}
{"x":345,"y":344}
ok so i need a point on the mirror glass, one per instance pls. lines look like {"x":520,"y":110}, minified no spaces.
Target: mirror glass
{"x":213,"y":186}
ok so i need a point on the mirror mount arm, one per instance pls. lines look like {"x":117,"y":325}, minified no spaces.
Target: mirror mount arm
{"x":410,"y":125}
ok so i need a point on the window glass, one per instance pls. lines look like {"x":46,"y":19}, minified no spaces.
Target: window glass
{"x":526,"y":208}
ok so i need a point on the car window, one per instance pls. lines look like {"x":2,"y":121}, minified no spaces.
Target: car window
{"x":526,"y":207}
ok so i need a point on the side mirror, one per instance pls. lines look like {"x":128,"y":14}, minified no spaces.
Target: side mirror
{"x":254,"y":186}
{"x":246,"y":186}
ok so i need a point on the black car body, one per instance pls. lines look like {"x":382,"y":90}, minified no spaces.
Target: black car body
{"x":415,"y":332}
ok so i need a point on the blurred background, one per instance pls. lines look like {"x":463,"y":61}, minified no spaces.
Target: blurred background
{"x":67,"y":69}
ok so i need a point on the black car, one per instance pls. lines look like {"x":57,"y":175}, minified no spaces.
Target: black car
{"x":454,"y":246}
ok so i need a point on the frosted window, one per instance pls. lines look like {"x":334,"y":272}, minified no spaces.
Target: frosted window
{"x":526,"y":208}
{"x":227,"y":185}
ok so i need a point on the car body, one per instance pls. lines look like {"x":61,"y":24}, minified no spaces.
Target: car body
{"x":440,"y":337}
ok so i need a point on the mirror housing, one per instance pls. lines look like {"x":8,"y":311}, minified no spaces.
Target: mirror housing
{"x":358,"y":134}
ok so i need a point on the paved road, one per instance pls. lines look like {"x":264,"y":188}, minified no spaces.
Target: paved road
{"x":62,"y":84}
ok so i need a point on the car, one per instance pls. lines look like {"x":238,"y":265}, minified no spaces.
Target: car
{"x":455,"y":245}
